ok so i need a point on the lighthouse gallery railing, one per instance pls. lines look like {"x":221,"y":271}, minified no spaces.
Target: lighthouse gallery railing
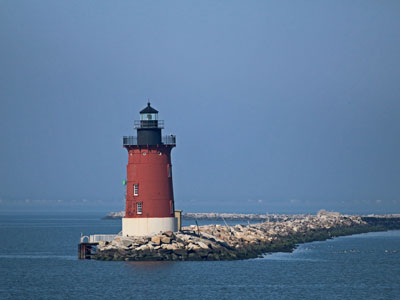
{"x":132,"y":140}
{"x":148,"y":124}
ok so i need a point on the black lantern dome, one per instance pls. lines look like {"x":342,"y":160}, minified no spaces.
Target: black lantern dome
{"x":149,"y":127}
{"x":149,"y":110}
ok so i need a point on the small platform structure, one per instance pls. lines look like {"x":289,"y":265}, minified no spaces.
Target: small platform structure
{"x":88,"y":243}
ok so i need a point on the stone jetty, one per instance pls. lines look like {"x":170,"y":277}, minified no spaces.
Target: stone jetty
{"x":218,"y":242}
{"x":218,"y":216}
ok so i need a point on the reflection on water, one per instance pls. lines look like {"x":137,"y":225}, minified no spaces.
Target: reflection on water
{"x":151,"y":265}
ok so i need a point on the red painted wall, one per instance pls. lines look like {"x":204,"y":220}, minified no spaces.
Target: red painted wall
{"x":149,"y":168}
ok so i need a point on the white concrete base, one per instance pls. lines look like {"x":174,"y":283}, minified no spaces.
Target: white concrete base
{"x":147,"y":226}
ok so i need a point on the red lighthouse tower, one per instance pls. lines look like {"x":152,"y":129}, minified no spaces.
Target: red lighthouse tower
{"x":149,"y":193}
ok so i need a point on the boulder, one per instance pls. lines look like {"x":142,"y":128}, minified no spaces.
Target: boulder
{"x":183,"y":237}
{"x":180,"y":251}
{"x":141,"y":241}
{"x":193,"y":256}
{"x":156,"y":239}
{"x":143,"y":248}
{"x":171,"y":247}
{"x":202,"y":253}
{"x":193,"y":247}
{"x":168,"y":233}
{"x":165,"y":240}
{"x":211,"y":256}
{"x":202,"y":245}
{"x":211,"y":237}
{"x":168,"y":247}
{"x":126,"y":243}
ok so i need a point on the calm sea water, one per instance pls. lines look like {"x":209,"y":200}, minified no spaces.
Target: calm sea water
{"x":38,"y":260}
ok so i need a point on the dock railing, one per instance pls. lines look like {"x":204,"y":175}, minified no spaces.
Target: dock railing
{"x":95,"y":238}
{"x":165,"y":140}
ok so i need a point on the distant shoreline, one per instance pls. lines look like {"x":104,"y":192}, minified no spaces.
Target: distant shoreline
{"x":243,"y":217}
{"x":206,"y":216}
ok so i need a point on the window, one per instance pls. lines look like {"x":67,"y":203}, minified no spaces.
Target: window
{"x":148,"y":117}
{"x":135,"y":190}
{"x":139,"y":208}
{"x":171,"y":206}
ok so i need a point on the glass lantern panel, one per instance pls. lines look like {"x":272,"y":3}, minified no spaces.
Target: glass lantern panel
{"x":148,"y":117}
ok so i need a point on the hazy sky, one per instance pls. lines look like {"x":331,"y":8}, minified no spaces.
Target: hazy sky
{"x":278,"y":106}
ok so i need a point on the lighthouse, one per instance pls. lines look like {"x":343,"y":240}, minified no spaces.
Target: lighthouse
{"x":149,"y":192}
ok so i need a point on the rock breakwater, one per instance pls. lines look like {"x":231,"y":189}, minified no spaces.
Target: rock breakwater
{"x":220,"y":216}
{"x":217,"y":242}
